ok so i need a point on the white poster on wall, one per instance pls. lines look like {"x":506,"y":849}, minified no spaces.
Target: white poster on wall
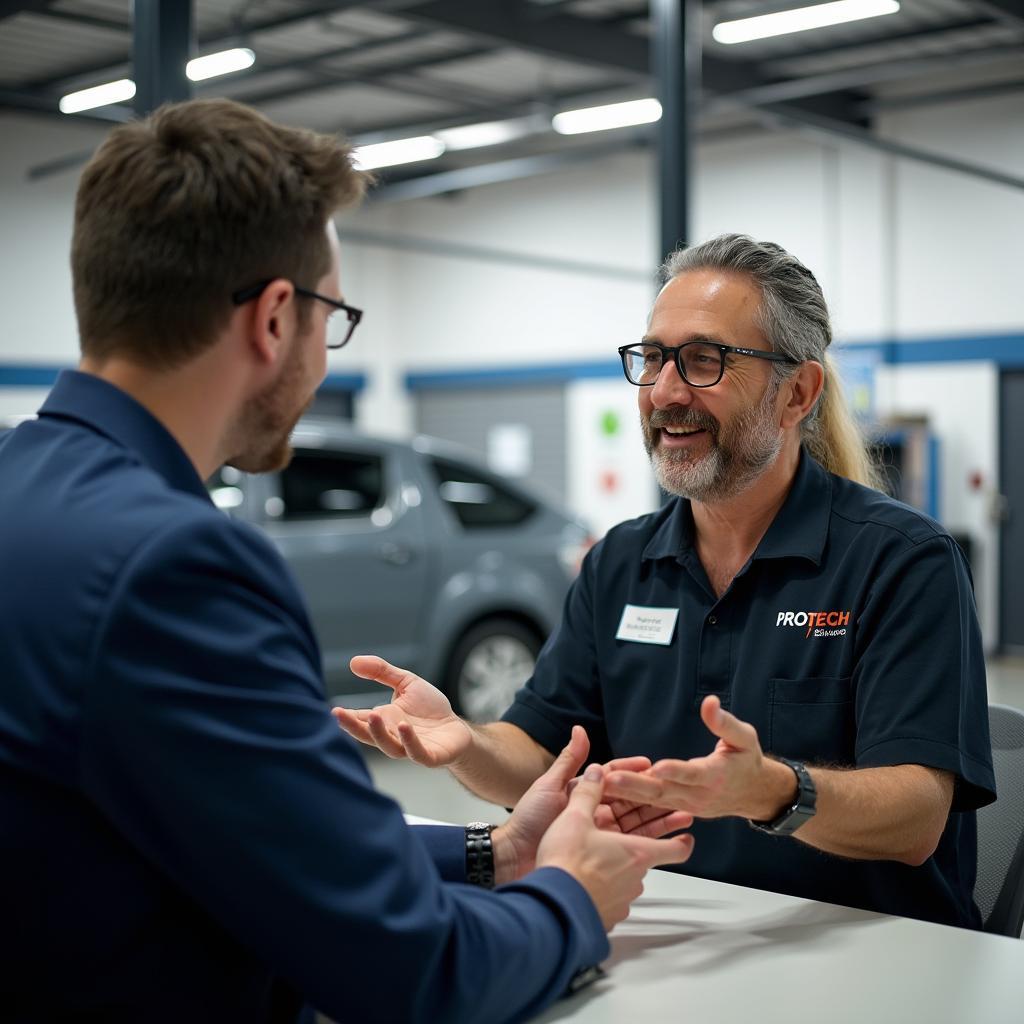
{"x":610,"y":476}
{"x":510,"y":449}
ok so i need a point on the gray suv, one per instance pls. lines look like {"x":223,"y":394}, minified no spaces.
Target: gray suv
{"x":415,"y":553}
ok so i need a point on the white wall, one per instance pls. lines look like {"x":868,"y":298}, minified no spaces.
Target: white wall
{"x":39,"y":319}
{"x":959,"y":241}
{"x":902,"y":250}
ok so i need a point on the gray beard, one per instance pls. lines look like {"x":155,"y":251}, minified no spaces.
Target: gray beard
{"x":733,"y":463}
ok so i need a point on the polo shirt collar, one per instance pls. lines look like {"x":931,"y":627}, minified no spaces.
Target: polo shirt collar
{"x":114,"y":413}
{"x":799,"y":530}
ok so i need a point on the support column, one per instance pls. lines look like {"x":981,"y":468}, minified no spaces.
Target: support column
{"x":162,"y":43}
{"x":675,"y":70}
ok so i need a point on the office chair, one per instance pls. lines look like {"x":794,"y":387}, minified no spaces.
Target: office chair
{"x":999,"y":889}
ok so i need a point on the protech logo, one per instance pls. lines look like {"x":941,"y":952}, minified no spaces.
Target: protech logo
{"x":817,"y":623}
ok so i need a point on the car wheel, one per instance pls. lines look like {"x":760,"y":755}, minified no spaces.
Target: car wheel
{"x":488,"y":665}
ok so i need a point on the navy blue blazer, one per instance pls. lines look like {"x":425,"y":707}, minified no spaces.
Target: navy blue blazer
{"x":185,"y":834}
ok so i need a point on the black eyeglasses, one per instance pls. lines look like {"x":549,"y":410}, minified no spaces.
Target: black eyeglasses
{"x":700,"y":363}
{"x":338,"y":331}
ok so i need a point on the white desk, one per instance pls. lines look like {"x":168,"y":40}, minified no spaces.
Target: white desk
{"x":704,"y":952}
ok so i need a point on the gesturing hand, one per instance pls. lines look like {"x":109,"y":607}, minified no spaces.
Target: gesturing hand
{"x":609,"y":865}
{"x":548,"y":797}
{"x":418,"y":723}
{"x":731,"y":780}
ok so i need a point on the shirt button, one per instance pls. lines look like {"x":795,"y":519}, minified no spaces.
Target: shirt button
{"x":712,"y":620}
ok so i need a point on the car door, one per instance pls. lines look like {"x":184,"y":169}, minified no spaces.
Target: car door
{"x":345,"y":519}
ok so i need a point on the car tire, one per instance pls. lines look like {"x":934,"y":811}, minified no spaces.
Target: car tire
{"x":488,"y":664}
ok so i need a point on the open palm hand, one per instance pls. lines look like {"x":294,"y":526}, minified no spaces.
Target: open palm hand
{"x":418,"y":723}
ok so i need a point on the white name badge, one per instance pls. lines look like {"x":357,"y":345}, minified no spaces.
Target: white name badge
{"x":647,"y":625}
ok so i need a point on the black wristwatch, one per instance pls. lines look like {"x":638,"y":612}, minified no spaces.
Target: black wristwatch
{"x":802,"y":810}
{"x":479,"y":854}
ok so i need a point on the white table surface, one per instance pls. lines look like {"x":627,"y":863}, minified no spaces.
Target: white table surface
{"x":710,"y":953}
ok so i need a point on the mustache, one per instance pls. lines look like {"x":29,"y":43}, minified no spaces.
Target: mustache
{"x":683,"y":418}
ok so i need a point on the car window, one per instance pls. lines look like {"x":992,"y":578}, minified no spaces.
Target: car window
{"x":476,"y":500}
{"x":331,"y":485}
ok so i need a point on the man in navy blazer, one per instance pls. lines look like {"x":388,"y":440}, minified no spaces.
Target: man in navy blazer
{"x":184,"y":833}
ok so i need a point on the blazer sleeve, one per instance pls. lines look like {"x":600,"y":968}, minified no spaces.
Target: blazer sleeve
{"x":209,"y":745}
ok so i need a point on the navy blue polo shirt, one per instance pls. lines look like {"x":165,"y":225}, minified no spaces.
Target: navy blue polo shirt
{"x":850,"y":638}
{"x":185,"y":833}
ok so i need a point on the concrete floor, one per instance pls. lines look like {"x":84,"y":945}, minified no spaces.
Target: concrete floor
{"x":435,"y":794}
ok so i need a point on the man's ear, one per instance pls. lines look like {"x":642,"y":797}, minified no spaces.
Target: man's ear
{"x":272,"y":319}
{"x":801,"y":391}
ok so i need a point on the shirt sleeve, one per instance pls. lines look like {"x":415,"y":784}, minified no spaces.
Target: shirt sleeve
{"x":208,"y":744}
{"x":565,"y":688}
{"x":920,"y":675}
{"x":446,"y":845}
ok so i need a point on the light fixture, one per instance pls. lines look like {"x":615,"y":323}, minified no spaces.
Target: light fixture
{"x":98,"y":96}
{"x":400,"y":151}
{"x":223,"y":63}
{"x":487,"y":133}
{"x":801,"y":19}
{"x":612,"y":115}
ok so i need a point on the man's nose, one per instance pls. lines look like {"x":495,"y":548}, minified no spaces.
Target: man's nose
{"x":670,"y":388}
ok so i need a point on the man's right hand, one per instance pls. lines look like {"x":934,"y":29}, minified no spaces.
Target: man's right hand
{"x":418,"y":723}
{"x":609,"y":865}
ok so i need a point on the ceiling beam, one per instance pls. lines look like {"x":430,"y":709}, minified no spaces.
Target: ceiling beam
{"x":9,"y":8}
{"x":864,"y":137}
{"x":771,"y":94}
{"x":1005,"y":10}
{"x":441,"y":182}
{"x":88,"y":20}
{"x":377,"y":76}
{"x":526,"y":26}
{"x":922,"y":34}
{"x":31,"y":103}
{"x":219,"y":39}
{"x":516,"y":23}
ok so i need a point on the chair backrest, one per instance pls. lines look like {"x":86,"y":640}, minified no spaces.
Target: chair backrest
{"x":999,"y":890}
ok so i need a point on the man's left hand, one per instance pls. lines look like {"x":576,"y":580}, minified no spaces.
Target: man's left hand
{"x":515,"y":842}
{"x":734,"y":779}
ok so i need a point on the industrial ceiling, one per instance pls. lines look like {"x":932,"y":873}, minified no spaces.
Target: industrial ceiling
{"x":398,"y":68}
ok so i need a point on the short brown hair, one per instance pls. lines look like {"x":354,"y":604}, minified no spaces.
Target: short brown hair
{"x":178,"y":211}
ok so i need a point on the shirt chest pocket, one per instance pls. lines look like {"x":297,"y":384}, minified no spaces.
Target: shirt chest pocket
{"x":812,"y":719}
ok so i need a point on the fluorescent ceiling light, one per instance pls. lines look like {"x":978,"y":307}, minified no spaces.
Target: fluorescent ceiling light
{"x":488,"y":133}
{"x":613,"y":115}
{"x":401,"y":151}
{"x":801,"y":19}
{"x":213,"y":64}
{"x":223,"y":63}
{"x":97,"y":96}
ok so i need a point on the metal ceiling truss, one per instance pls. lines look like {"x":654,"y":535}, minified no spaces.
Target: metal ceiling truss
{"x":9,"y":8}
{"x":833,"y":102}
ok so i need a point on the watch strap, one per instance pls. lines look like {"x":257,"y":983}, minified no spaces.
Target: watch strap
{"x":479,"y":854}
{"x":801,"y":810}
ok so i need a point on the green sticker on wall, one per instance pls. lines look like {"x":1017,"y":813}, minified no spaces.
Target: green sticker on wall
{"x":610,"y":423}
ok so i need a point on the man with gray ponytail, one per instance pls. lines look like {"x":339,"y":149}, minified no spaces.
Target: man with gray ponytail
{"x":781,"y":650}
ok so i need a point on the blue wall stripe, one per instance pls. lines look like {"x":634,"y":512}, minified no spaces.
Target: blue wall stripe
{"x":507,"y":376}
{"x":15,"y":375}
{"x":1005,"y":350}
{"x":335,"y":382}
